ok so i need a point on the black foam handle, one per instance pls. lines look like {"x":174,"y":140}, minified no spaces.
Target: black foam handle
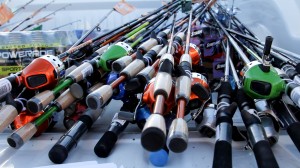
{"x":268,"y":44}
{"x":105,"y":144}
{"x":222,"y":155}
{"x":249,"y":118}
{"x":294,"y":132}
{"x":225,"y":114}
{"x":277,"y":62}
{"x":264,"y":155}
{"x":243,"y":100}
{"x":298,"y":67}
{"x":225,"y":91}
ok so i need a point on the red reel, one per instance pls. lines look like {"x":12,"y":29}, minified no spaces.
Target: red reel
{"x":43,"y":72}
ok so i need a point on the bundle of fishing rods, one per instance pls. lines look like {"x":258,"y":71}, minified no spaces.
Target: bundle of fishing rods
{"x":163,"y":83}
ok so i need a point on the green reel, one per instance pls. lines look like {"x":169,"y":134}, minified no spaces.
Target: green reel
{"x":114,"y":52}
{"x":259,"y":84}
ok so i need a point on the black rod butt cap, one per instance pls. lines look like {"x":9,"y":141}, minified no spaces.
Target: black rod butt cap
{"x":58,"y":154}
{"x":104,"y":146}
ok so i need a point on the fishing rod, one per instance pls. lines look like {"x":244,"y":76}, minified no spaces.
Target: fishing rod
{"x":225,"y":111}
{"x":256,"y":134}
{"x":268,"y":118}
{"x":92,"y":29}
{"x":108,"y":140}
{"x":286,"y":115}
{"x":70,"y":23}
{"x":22,"y":7}
{"x":45,"y":17}
{"x":177,"y":139}
{"x":31,"y":16}
{"x":255,"y":41}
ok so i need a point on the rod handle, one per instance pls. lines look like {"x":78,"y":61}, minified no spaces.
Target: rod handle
{"x":264,"y":156}
{"x":268,"y":45}
{"x":294,"y":133}
{"x":105,"y":144}
{"x":222,"y":155}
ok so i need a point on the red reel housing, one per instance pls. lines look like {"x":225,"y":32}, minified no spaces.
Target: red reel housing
{"x":43,"y":72}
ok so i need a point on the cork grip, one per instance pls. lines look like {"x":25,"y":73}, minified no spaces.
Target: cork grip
{"x":65,"y":99}
{"x":7,"y":115}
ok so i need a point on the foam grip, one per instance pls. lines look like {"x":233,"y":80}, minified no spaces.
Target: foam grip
{"x":225,"y":90}
{"x":147,"y":45}
{"x":153,"y":136}
{"x":294,"y":132}
{"x":222,"y":155}
{"x":298,"y":68}
{"x":243,"y":99}
{"x":264,"y":155}
{"x":121,"y":63}
{"x":40,"y":101}
{"x":21,"y":135}
{"x":178,"y":136}
{"x":99,"y":97}
{"x":163,"y":84}
{"x":65,"y":99}
{"x":159,"y":158}
{"x":7,"y":115}
{"x":105,"y":144}
{"x":133,"y":68}
{"x":81,"y":72}
{"x":249,"y":118}
{"x":268,"y":44}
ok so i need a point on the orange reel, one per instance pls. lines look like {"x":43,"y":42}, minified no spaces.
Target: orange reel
{"x":194,"y":52}
{"x":43,"y":72}
{"x":200,"y":91}
{"x":148,"y":98}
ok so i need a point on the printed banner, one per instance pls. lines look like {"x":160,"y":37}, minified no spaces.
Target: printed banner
{"x":18,"y":49}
